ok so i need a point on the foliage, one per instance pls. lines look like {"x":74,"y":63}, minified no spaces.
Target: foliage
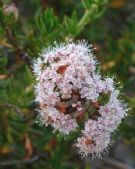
{"x":28,"y":26}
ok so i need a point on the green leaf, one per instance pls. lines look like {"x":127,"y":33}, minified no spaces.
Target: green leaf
{"x":47,"y":22}
{"x":71,"y":23}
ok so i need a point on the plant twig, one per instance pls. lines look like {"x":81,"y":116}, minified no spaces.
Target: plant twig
{"x":28,"y":161}
{"x":86,"y":17}
{"x":11,"y":106}
{"x":116,"y":164}
{"x":16,"y":162}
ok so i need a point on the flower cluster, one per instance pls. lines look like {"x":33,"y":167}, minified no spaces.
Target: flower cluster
{"x":96,"y":135}
{"x":70,"y":92}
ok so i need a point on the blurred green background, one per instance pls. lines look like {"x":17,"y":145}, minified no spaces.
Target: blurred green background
{"x":26,"y":26}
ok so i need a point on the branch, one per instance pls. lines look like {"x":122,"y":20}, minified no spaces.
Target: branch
{"x":116,"y":164}
{"x":18,"y":162}
{"x":11,"y":38}
{"x":11,"y":106}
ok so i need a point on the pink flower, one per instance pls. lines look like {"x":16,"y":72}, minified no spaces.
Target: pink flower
{"x":69,"y":90}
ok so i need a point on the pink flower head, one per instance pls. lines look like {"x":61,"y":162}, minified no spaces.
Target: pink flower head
{"x":70,"y":92}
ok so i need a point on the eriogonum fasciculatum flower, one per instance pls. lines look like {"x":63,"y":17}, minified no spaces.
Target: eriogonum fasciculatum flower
{"x":71,"y":91}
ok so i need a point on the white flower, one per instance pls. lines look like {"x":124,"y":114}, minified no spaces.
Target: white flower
{"x":69,"y":89}
{"x":109,"y":85}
